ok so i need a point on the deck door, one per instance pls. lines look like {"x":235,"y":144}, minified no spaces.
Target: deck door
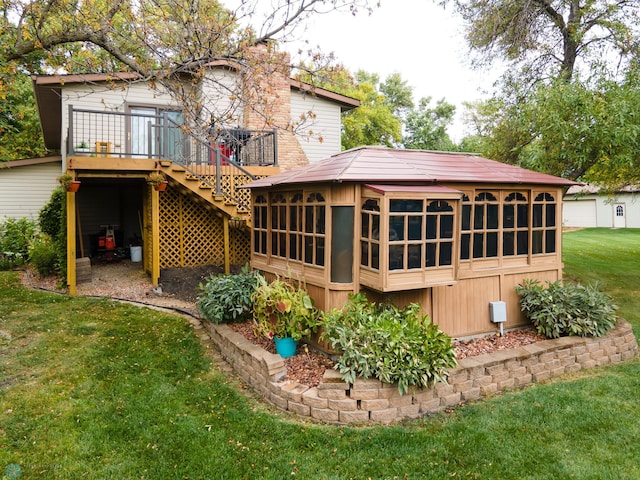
{"x":154,"y":133}
{"x":619,"y":215}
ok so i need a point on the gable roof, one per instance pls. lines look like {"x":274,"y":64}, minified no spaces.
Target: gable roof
{"x":387,"y":165}
{"x":47,"y":90}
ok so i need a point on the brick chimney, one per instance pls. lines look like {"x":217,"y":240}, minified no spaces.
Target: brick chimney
{"x":267,"y":94}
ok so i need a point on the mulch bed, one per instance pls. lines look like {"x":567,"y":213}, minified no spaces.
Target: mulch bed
{"x":308,"y":366}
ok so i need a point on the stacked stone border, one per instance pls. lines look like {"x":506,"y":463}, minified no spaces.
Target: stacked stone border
{"x":369,"y":401}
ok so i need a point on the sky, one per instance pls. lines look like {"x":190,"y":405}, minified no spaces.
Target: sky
{"x":418,"y":39}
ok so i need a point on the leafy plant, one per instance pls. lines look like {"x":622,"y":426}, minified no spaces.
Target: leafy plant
{"x":228,"y":298}
{"x":282,"y":310}
{"x":15,"y":237}
{"x":395,"y":345}
{"x":156,"y":178}
{"x":43,"y":255}
{"x":53,"y":222}
{"x":567,"y":309}
{"x":65,"y":180}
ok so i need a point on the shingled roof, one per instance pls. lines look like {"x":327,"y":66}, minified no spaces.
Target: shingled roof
{"x":388,"y":165}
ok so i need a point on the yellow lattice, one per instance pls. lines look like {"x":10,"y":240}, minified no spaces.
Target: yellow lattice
{"x":191,"y":234}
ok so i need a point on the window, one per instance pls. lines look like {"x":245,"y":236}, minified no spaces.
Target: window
{"x":278,"y":225}
{"x":544,"y":224}
{"x":342,"y":244}
{"x":465,"y":237}
{"x":295,"y":227}
{"x":485,"y":225}
{"x":260,"y":225}
{"x":515,"y":225}
{"x":370,"y":235}
{"x":619,"y":211}
{"x":314,"y":229}
{"x":420,"y":234}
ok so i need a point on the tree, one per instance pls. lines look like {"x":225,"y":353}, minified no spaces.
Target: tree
{"x":20,"y":135}
{"x":426,"y":127}
{"x":547,"y":38}
{"x":574,"y":130}
{"x":161,"y":41}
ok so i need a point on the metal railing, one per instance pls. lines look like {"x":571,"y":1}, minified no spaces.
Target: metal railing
{"x":116,"y":134}
{"x":111,"y":135}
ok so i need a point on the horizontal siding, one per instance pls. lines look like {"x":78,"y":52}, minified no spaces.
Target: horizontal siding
{"x":25,"y":190}
{"x":318,"y":136}
{"x":218,"y":88}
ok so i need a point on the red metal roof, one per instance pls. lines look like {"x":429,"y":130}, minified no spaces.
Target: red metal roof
{"x":387,"y":165}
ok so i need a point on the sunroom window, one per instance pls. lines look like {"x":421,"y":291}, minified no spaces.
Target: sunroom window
{"x":544,"y":224}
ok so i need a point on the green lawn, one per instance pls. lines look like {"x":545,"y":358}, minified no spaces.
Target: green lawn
{"x":98,"y":390}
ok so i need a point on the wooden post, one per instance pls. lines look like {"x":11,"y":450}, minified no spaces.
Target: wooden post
{"x":227,"y":255}
{"x":155,"y":237}
{"x":71,"y":242}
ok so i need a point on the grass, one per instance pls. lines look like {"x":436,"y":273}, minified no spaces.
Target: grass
{"x":98,"y":390}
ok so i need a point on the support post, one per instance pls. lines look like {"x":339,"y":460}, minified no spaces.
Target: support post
{"x":155,"y":237}
{"x":227,"y":254}
{"x":71,"y":242}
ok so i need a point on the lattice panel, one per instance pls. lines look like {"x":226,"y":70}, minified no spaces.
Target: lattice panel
{"x":240,"y":248}
{"x":190,"y":233}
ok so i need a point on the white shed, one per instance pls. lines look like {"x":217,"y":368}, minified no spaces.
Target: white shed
{"x":586,"y":206}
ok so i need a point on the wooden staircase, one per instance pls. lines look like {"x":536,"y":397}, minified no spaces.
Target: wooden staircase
{"x":202,"y":181}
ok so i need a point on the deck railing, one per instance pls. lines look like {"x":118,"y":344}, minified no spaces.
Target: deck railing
{"x":134,"y":135}
{"x":129,"y":135}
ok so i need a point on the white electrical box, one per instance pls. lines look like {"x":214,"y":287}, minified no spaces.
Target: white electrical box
{"x":498,"y":312}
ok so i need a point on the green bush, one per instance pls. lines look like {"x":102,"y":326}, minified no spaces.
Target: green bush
{"x":567,"y":309}
{"x":392,"y":344}
{"x":53,"y":222}
{"x":228,"y":298}
{"x":15,"y":237}
{"x":43,"y":255}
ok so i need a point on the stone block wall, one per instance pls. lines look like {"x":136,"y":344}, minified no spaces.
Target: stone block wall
{"x":369,"y":401}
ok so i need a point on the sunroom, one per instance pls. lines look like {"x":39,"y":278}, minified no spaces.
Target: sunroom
{"x":453,"y":232}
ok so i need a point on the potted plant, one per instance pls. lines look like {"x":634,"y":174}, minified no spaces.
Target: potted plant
{"x":283,"y":312}
{"x":157,"y":180}
{"x":82,"y":148}
{"x":69,"y":182}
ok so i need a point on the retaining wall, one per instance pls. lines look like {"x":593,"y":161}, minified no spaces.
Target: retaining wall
{"x":371,"y":401}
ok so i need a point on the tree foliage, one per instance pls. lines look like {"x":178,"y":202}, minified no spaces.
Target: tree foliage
{"x":574,"y":130}
{"x":426,"y":126}
{"x":547,"y":38}
{"x":20,"y":135}
{"x":160,"y":41}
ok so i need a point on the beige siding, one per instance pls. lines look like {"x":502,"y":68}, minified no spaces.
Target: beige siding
{"x":25,"y":190}
{"x":319,"y":136}
{"x":218,"y":90}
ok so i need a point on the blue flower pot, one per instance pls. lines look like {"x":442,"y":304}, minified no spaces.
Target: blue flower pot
{"x":286,"y":347}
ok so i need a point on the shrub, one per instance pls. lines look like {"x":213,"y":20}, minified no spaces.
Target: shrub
{"x":43,"y":255}
{"x":15,"y":237}
{"x":567,"y":309}
{"x":228,"y":298}
{"x":388,"y":343}
{"x":53,"y":221}
{"x":282,"y":310}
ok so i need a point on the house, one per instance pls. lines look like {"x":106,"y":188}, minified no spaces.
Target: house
{"x":26,"y":186}
{"x":587,"y":206}
{"x":453,"y":232}
{"x":114,"y":130}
